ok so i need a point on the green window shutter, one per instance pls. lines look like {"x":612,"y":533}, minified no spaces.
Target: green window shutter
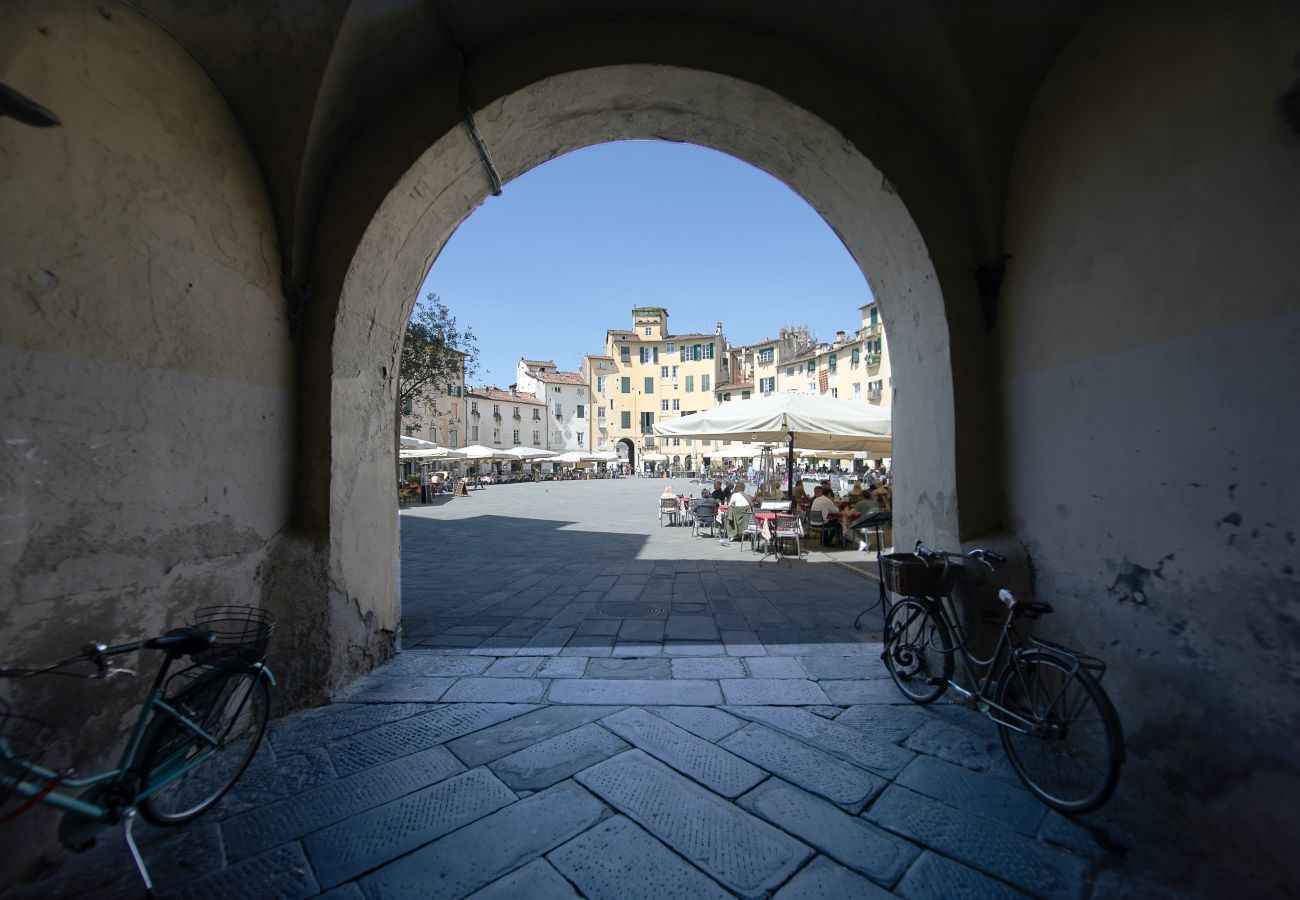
{"x":857,"y":356}
{"x":704,"y":382}
{"x":690,"y":384}
{"x":626,"y":385}
{"x":649,"y":385}
{"x":626,"y":419}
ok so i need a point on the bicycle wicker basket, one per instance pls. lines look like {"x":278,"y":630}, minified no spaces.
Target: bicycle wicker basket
{"x":910,"y":575}
{"x":240,"y":635}
{"x":23,"y":741}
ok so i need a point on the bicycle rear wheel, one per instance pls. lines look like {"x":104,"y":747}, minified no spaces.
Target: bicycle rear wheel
{"x":1069,"y":753}
{"x":230,"y":705}
{"x":918,"y":650}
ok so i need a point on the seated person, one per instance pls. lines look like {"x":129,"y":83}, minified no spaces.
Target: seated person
{"x":668,"y":493}
{"x":823,"y":502}
{"x":740,"y":504}
{"x":720,"y":493}
{"x":800,"y":494}
{"x":825,"y":484}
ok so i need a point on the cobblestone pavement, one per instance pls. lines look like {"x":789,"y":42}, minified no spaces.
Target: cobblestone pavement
{"x":591,"y":705}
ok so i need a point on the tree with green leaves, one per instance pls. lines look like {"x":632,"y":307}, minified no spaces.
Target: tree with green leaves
{"x":433,"y":355}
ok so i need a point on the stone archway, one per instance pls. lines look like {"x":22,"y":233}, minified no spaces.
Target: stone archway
{"x":564,"y":112}
{"x":627,"y":453}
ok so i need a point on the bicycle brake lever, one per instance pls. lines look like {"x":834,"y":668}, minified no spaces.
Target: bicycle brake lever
{"x":119,"y":671}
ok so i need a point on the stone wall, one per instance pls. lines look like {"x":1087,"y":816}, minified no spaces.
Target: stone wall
{"x":1149,"y":331}
{"x":145,"y":362}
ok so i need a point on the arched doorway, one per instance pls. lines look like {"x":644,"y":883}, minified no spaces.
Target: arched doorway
{"x":554,"y":115}
{"x":627,"y":454}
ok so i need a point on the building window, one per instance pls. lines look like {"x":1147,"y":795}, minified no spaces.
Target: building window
{"x":857,"y":391}
{"x":582,"y":411}
{"x":663,"y":406}
{"x":514,"y":439}
{"x":496,"y":409}
{"x":537,"y":438}
{"x":835,"y":392}
{"x":677,"y":442}
{"x":649,"y":385}
{"x":473,"y":433}
{"x":559,"y":411}
{"x":496,"y":435}
{"x":704,"y":382}
{"x":745,"y":395}
{"x":789,"y":371}
{"x":601,"y":366}
{"x":625,"y":419}
{"x":473,"y":406}
{"x":537,"y":415}
{"x":600,"y":412}
{"x":556,"y":389}
{"x":677,"y":405}
{"x":690,"y":383}
{"x":648,"y":331}
{"x":600,"y":384}
{"x":625,"y":354}
{"x":670,"y":348}
{"x":726,"y":397}
{"x":647,"y":422}
{"x":831,"y":363}
{"x":766,"y":385}
{"x":601,"y":441}
{"x":856,"y":356}
{"x":663,"y":373}
{"x":453,"y":438}
{"x":766,"y":356}
{"x":626,"y":384}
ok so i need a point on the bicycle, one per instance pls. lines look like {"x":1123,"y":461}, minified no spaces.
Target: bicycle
{"x":1056,"y":723}
{"x":194,"y":735}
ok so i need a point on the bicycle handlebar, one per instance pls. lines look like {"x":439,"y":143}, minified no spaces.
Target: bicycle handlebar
{"x":93,"y":652}
{"x":979,"y":554}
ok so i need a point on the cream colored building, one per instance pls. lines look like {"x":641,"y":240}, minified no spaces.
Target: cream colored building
{"x":440,"y":417}
{"x":848,"y":368}
{"x":567,"y":400}
{"x":648,"y":374}
{"x":505,"y":418}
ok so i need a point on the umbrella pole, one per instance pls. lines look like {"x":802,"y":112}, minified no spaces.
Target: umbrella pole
{"x":789,"y":472}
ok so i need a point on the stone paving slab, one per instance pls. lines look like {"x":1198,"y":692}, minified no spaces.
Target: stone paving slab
{"x":514,"y":667}
{"x":688,"y":667}
{"x":414,"y":662}
{"x":635,"y":692}
{"x":823,"y":879}
{"x":559,"y":667}
{"x":259,"y":829}
{"x":891,"y":724}
{"x":710,"y":765}
{"x":406,"y":736}
{"x":513,"y":735}
{"x":772,"y":691}
{"x":364,"y":842}
{"x":555,"y":759}
{"x":701,"y":721}
{"x":656,"y":667}
{"x":268,"y":779}
{"x":396,"y":689}
{"x":282,"y":873}
{"x":936,"y":877}
{"x":742,"y":852}
{"x":316,"y":727}
{"x":861,"y":846}
{"x":536,"y":881}
{"x":617,"y":860}
{"x":850,"y":691}
{"x":979,"y":752}
{"x":809,"y":768}
{"x":989,"y":798}
{"x":830,"y":736}
{"x":843,"y":667}
{"x":1040,"y":869}
{"x":775,"y":667}
{"x":480,"y":853}
{"x":496,"y":690}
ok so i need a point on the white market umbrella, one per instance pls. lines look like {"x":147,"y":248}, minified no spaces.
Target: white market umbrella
{"x":417,"y":443}
{"x":653,"y":457}
{"x":431,"y":453}
{"x":603,"y":456}
{"x":792,"y":419}
{"x":479,"y":453}
{"x":525,"y":454}
{"x":829,"y":454}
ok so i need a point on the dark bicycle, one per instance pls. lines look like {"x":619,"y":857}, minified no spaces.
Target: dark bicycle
{"x":1057,"y":726}
{"x":194,"y":735}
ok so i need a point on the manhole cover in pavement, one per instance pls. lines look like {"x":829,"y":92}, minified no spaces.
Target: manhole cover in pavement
{"x":629,"y":610}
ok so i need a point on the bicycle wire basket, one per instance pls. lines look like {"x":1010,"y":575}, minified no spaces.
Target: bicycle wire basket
{"x":909,"y":575}
{"x":23,"y":741}
{"x":240,"y":635}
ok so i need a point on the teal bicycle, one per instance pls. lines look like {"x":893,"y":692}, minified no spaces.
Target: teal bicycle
{"x":194,"y":736}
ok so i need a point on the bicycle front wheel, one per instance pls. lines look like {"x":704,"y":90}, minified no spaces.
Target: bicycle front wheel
{"x":230,"y":706}
{"x":918,"y":650}
{"x":1064,"y":738}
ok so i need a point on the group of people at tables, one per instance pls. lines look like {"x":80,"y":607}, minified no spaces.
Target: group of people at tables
{"x":735,"y":500}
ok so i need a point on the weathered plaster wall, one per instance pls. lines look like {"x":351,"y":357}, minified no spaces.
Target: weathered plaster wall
{"x":145,"y":376}
{"x":1149,"y":332}
{"x":552,"y":117}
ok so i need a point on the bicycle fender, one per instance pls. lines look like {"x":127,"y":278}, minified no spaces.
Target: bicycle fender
{"x":264,"y":672}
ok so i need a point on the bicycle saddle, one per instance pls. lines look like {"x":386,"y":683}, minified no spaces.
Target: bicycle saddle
{"x":181,"y":642}
{"x":1034,"y":609}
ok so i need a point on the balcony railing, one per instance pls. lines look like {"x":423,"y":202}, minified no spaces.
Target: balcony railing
{"x":875,"y":394}
{"x":870,"y":330}
{"x":873,"y":359}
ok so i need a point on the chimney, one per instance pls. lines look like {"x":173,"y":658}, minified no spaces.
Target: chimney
{"x":839,"y":337}
{"x":718,"y":330}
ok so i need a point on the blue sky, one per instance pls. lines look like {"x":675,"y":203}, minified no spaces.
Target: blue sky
{"x":569,"y":248}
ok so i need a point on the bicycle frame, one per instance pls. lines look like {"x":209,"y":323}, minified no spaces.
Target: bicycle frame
{"x":46,"y":789}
